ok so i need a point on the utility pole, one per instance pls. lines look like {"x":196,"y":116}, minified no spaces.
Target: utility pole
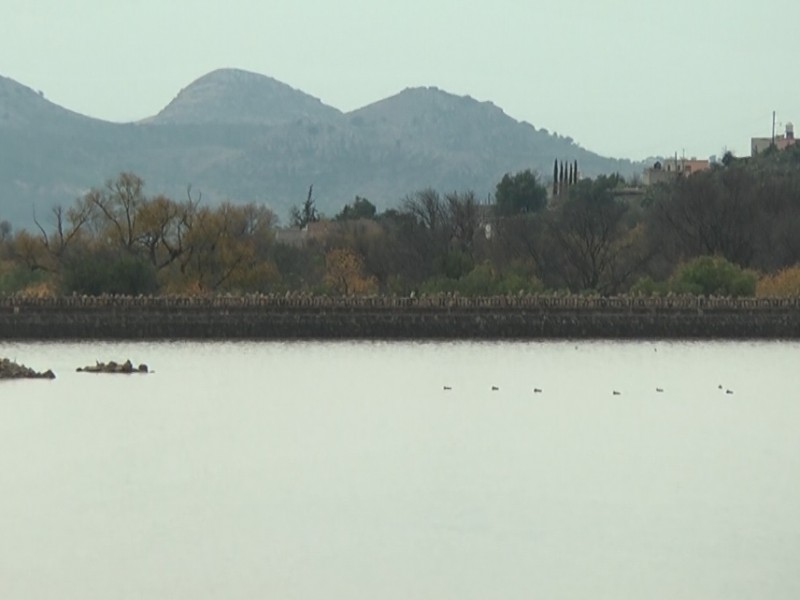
{"x":773,"y":127}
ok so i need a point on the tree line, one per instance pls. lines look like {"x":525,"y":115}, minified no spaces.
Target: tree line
{"x":726,"y":231}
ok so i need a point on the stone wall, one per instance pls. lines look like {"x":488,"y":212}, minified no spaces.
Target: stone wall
{"x":430,"y":317}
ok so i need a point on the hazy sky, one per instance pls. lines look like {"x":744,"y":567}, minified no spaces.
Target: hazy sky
{"x":623,"y":78}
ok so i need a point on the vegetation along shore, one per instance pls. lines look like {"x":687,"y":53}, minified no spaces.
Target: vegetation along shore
{"x":711,"y":254}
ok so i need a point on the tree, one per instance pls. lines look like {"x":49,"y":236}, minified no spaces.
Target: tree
{"x":301,"y":217}
{"x":714,"y":212}
{"x":115,"y":208}
{"x":594,"y":237}
{"x":520,"y":193}
{"x":361,"y":208}
{"x":162,"y":229}
{"x":229,"y":249}
{"x":399,"y":258}
{"x":530,"y":239}
{"x":68,"y":234}
{"x":462,"y":216}
{"x":428,"y":230}
{"x":427,"y":208}
{"x":344,"y":273}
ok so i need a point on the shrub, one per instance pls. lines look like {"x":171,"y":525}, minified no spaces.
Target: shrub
{"x":647,"y":287}
{"x":783,"y":283}
{"x":100,"y":272}
{"x":18,"y":278}
{"x":712,"y":276}
{"x":484,"y":280}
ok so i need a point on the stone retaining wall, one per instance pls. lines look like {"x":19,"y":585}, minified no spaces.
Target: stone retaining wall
{"x":431,"y":317}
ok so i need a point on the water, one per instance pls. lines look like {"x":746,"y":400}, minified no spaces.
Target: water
{"x":345,"y":470}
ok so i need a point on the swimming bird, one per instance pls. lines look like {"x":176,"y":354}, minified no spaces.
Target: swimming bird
{"x":495,"y":388}
{"x":728,"y":391}
{"x":447,"y":387}
{"x":659,"y":389}
{"x":616,"y":393}
{"x":537,"y":391}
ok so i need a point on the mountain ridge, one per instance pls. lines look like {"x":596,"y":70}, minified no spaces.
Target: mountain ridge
{"x":241,"y":136}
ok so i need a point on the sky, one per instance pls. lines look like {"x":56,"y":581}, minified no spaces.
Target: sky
{"x":627,"y":79}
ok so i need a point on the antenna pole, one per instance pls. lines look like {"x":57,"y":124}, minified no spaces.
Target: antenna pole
{"x":773,"y":127}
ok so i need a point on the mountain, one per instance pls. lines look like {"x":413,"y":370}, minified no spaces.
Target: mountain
{"x":233,"y":96}
{"x":235,"y":135}
{"x":469,"y":141}
{"x":48,"y":154}
{"x":21,"y":107}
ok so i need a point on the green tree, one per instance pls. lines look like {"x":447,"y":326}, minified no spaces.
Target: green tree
{"x":521,"y":192}
{"x":361,"y":208}
{"x":713,"y":276}
{"x":555,"y":178}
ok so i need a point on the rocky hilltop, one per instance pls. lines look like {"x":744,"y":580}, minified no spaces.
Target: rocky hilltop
{"x":233,"y":96}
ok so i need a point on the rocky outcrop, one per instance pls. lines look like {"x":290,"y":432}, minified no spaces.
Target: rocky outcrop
{"x":11,"y":370}
{"x":114,"y":367}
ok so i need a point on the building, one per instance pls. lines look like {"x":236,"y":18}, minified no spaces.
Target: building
{"x":781,"y":142}
{"x":670,"y":168}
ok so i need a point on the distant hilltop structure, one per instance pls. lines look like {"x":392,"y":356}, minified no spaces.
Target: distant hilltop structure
{"x":671,"y":168}
{"x":781,"y":142}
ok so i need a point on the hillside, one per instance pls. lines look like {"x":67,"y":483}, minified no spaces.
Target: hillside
{"x":247,"y":137}
{"x":21,"y":107}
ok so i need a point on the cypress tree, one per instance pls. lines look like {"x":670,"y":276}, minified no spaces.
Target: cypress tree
{"x":555,"y":177}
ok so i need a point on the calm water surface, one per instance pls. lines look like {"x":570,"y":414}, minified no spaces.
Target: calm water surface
{"x":345,"y":470}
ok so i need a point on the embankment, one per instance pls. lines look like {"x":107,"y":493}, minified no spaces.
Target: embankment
{"x":437,"y":317}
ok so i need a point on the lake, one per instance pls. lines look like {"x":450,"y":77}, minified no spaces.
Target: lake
{"x":313,"y":470}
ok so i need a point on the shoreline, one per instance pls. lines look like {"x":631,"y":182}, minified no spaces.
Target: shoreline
{"x":274,"y":317}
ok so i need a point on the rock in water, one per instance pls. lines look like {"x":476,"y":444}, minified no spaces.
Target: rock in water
{"x":11,"y":370}
{"x":114,"y":367}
